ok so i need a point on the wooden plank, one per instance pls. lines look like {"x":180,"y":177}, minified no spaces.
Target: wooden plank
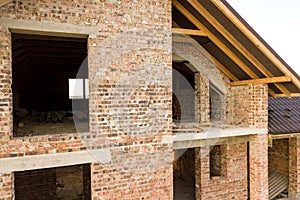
{"x":218,"y":26}
{"x":291,"y":95}
{"x":271,"y":92}
{"x":3,"y":2}
{"x":258,"y":43}
{"x":283,"y":136}
{"x":188,"y":31}
{"x":262,"y":80}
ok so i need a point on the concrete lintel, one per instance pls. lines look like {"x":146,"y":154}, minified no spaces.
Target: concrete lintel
{"x":8,"y":165}
{"x":212,"y":136}
{"x":48,"y":28}
{"x":209,"y":142}
{"x":214,"y":133}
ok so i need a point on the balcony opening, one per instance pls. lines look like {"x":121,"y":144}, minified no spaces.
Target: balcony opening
{"x":49,"y":74}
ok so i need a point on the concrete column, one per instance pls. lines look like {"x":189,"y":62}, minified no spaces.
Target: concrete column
{"x":258,"y":166}
{"x":294,"y":168}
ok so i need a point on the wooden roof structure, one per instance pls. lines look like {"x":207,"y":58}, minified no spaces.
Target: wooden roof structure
{"x":237,"y":50}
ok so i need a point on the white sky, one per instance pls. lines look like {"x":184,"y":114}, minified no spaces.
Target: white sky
{"x":277,"y":22}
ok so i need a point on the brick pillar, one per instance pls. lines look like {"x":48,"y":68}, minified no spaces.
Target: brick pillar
{"x":5,"y":85}
{"x":202,"y":99}
{"x":258,"y":155}
{"x":258,"y":105}
{"x":258,"y":166}
{"x":294,"y":168}
{"x":6,"y":186}
{"x":201,"y":170}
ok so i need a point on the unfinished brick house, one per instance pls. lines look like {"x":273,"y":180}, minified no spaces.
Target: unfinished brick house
{"x":170,"y":102}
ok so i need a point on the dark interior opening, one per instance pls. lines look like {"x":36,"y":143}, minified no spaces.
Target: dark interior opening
{"x":217,"y":161}
{"x":183,"y":105}
{"x":63,"y":183}
{"x":184,"y":174}
{"x":42,"y":69}
{"x":217,"y":105}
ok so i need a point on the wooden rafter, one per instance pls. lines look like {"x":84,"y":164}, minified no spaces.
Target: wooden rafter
{"x":262,"y":80}
{"x":3,"y":2}
{"x":214,"y":39}
{"x":188,"y":31}
{"x":218,"y":26}
{"x":292,"y":95}
{"x":259,"y":44}
{"x":283,"y":136}
{"x":175,"y":25}
{"x":271,"y":92}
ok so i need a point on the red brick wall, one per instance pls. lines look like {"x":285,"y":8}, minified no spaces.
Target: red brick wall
{"x":237,"y":110}
{"x":279,"y":156}
{"x":294,"y":173}
{"x":247,"y":106}
{"x":258,"y":105}
{"x":135,"y":134}
{"x":233,"y":185}
{"x":143,"y":179}
{"x":6,"y":186}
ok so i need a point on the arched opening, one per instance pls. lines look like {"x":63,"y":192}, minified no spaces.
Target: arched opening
{"x":183,"y":93}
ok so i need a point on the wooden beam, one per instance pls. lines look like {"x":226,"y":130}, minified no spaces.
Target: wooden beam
{"x":213,"y":38}
{"x":292,"y":95}
{"x":188,"y":31}
{"x":3,"y":2}
{"x":219,"y":65}
{"x":258,"y":43}
{"x":262,"y":80}
{"x":283,"y":136}
{"x":271,"y":92}
{"x":175,"y":25}
{"x":218,"y":26}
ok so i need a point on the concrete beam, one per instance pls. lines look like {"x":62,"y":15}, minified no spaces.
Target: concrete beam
{"x":8,"y":165}
{"x":209,"y":142}
{"x":211,"y":136}
{"x":48,"y":28}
